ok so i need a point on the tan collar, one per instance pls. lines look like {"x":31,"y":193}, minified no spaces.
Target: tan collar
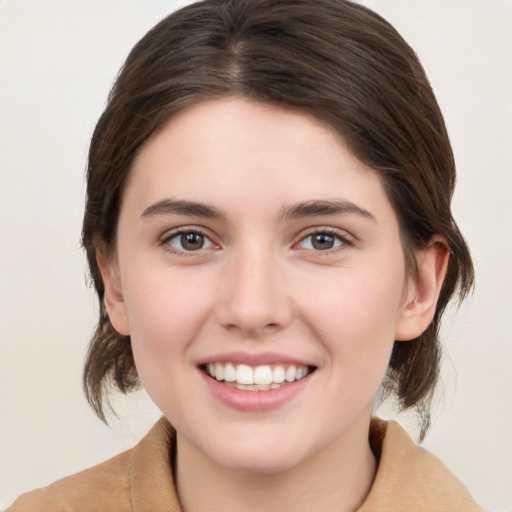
{"x":151,"y":480}
{"x":408,"y":477}
{"x":411,"y":478}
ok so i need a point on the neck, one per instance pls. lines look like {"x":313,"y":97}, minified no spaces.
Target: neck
{"x":338,"y":478}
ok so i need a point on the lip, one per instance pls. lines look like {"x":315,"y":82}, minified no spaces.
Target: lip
{"x":263,"y":358}
{"x":254,"y":401}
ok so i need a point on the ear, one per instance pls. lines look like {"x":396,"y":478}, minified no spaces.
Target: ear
{"x":114,"y":302}
{"x":423,"y":290}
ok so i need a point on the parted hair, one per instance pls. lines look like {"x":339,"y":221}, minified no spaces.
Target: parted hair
{"x":334,"y":60}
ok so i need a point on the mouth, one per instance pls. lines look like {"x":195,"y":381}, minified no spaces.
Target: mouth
{"x":256,"y":378}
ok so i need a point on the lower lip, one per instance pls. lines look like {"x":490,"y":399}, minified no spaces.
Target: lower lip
{"x":254,"y":401}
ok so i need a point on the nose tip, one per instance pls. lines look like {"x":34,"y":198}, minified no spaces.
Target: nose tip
{"x":253,"y":319}
{"x":253,"y":300}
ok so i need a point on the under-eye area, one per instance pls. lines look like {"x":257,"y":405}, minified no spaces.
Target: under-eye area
{"x":257,"y":378}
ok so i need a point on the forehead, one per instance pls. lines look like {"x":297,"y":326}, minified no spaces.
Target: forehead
{"x":238,"y":152}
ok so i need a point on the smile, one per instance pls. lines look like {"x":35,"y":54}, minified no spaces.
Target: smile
{"x":256,"y":378}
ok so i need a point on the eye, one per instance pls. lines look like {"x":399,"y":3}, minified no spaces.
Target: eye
{"x":188,"y":241}
{"x":322,"y":241}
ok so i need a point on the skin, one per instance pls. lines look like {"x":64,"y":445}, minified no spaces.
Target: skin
{"x":259,"y":285}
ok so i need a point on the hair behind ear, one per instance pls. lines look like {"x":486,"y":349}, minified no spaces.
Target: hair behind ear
{"x":414,"y":366}
{"x":109,"y":360}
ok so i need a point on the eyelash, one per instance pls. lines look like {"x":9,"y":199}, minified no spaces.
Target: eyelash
{"x":344,"y":241}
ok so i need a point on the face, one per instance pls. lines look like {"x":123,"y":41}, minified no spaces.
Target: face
{"x":261,"y":277}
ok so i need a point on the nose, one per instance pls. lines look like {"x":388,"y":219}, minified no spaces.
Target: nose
{"x":253,"y":294}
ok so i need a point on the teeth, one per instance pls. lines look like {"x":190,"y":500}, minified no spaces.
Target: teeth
{"x":244,"y":374}
{"x":291,"y":373}
{"x":301,"y":372}
{"x":263,"y":375}
{"x":259,"y":378}
{"x":219,"y":371}
{"x":278,"y":375}
{"x":229,"y":373}
{"x":253,"y":387}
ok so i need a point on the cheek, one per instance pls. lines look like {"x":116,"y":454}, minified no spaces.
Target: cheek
{"x":352,"y":301}
{"x":355,"y":316}
{"x":164,"y":321}
{"x":163,"y":306}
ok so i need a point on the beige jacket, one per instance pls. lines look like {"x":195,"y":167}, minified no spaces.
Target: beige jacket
{"x":408,"y":479}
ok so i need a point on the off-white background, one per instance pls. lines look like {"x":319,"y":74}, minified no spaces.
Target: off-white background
{"x":58,"y":59}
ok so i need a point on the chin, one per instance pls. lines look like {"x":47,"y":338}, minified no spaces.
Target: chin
{"x":256,"y":455}
{"x":263,"y":465}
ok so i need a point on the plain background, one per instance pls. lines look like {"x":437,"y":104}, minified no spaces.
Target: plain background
{"x":58,"y":59}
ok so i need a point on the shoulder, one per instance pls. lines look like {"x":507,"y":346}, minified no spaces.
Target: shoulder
{"x":411,"y":478}
{"x":136,"y":480}
{"x":102,"y":487}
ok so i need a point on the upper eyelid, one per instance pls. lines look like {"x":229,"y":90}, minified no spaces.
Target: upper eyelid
{"x":340,"y":233}
{"x":170,"y":233}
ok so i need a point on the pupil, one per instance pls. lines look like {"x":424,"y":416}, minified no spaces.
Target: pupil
{"x":192,"y":241}
{"x":323,"y":241}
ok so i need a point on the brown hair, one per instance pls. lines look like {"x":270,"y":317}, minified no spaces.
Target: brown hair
{"x":332,"y":59}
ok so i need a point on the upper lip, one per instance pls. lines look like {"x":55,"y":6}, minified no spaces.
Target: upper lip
{"x":252,"y":359}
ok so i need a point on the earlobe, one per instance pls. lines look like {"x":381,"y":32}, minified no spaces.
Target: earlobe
{"x":113,"y":298}
{"x":424,"y":289}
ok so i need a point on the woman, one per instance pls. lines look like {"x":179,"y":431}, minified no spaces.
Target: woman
{"x":269,"y":232}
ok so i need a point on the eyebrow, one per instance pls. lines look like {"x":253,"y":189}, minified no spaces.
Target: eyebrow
{"x":317,"y":208}
{"x":313,"y":208}
{"x":178,"y":207}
